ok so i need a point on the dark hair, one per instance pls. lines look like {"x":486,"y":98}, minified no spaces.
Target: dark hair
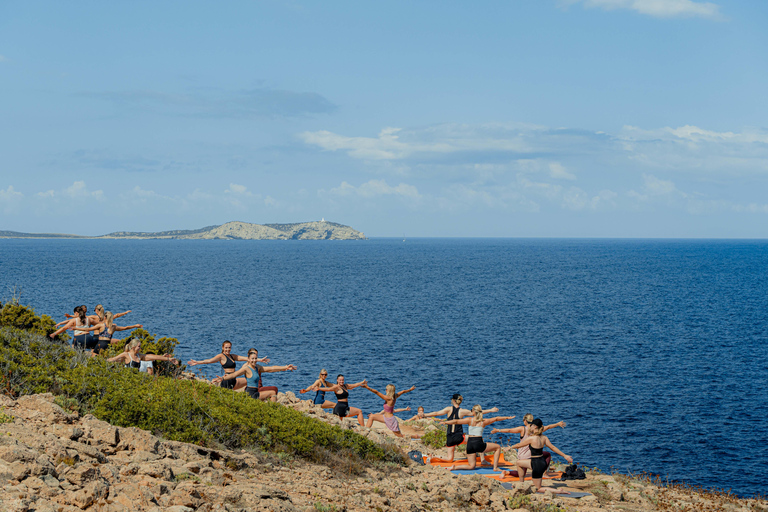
{"x":456,"y":396}
{"x":80,"y":312}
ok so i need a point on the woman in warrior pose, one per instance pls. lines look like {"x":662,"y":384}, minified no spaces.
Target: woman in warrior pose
{"x":79,"y":324}
{"x":475,"y":443}
{"x":341,"y":390}
{"x":108,"y":329}
{"x":227,"y":360}
{"x":132,"y":357}
{"x":252,"y":371}
{"x":524,"y":431}
{"x":536,"y":441}
{"x":320,"y":395}
{"x":388,"y":418}
{"x":455,"y":434}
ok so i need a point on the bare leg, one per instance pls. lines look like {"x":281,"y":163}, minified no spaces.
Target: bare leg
{"x":328,"y":405}
{"x":471,"y":459}
{"x":496,"y":449}
{"x":537,"y":483}
{"x":268,"y":395}
{"x":354,"y":411}
{"x":451,"y":449}
{"x":522,"y":465}
{"x":239,"y":385}
{"x":374,"y":417}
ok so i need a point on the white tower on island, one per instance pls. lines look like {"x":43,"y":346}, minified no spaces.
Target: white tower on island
{"x":322,"y":220}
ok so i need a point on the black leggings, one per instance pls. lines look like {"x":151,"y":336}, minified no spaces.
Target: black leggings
{"x":538,"y":466}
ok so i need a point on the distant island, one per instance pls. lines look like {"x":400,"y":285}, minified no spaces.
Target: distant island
{"x":318,"y":230}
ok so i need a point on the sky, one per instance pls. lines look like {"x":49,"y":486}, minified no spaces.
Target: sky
{"x":515,"y":118}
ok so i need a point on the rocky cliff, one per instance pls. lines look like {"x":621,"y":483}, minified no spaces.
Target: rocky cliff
{"x":319,"y":230}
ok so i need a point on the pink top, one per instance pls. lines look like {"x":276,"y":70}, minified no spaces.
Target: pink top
{"x":524,"y":452}
{"x":389,"y":408}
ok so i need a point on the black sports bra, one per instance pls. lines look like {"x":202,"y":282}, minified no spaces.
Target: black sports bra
{"x":229,"y":364}
{"x":343,"y":395}
{"x":536,"y":452}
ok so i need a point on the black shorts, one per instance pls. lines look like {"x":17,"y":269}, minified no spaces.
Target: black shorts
{"x":252,"y":392}
{"x":102,"y":345}
{"x":229,"y":383}
{"x":476,"y":445}
{"x":341,"y":409}
{"x":81,"y":341}
{"x":538,"y":466}
{"x":454,"y":439}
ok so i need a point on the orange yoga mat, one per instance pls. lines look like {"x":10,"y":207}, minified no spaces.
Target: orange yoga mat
{"x":488,"y":459}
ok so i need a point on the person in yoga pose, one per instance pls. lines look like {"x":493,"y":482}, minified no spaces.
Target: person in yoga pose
{"x":536,"y":441}
{"x":132,"y":356}
{"x":107,"y":329}
{"x":455,"y":434}
{"x":252,"y":371}
{"x":524,"y":431}
{"x":388,"y":418}
{"x":319,"y":399}
{"x":227,"y":360}
{"x":341,"y":390}
{"x":475,"y":444}
{"x":419,"y":415}
{"x":79,"y":324}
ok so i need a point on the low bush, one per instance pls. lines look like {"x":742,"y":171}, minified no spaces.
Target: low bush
{"x":13,"y":314}
{"x":437,"y":439}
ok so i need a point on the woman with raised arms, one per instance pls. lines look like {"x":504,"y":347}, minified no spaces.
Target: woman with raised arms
{"x":388,"y":418}
{"x":341,"y":390}
{"x":319,"y":399}
{"x":107,"y":329}
{"x":475,"y":443}
{"x":537,"y":463}
{"x":455,"y":434}
{"x":252,"y":370}
{"x":227,"y":360}
{"x":133,"y":357}
{"x":524,"y":431}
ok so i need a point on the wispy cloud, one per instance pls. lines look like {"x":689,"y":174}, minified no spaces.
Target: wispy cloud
{"x":371,"y":189}
{"x":10,"y":199}
{"x":219,"y":103}
{"x":656,"y":8}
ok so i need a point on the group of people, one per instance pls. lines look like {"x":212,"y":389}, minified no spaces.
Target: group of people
{"x":95,"y":333}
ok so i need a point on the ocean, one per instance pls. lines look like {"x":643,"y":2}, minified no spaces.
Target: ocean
{"x":653,"y":351}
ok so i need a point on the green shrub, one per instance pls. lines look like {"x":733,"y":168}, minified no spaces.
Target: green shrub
{"x":435,"y":438}
{"x":180,"y":410}
{"x":149,"y":346}
{"x":15,"y":315}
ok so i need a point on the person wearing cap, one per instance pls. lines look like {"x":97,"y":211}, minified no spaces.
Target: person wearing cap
{"x":524,"y":431}
{"x":455,"y":433}
{"x":537,"y":463}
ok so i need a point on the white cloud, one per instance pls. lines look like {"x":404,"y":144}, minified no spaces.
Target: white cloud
{"x":372,"y":188}
{"x":10,"y":199}
{"x":557,"y":171}
{"x":656,"y":8}
{"x":79,"y":191}
{"x":237,"y":189}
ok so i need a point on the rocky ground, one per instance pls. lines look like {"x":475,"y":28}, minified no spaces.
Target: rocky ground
{"x":54,"y":461}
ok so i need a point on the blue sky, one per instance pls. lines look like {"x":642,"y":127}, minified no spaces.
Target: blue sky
{"x":551,"y":118}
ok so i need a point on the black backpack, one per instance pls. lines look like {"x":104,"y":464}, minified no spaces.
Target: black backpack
{"x":573,"y":472}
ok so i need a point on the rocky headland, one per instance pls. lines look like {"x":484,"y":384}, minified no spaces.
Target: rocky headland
{"x":52,"y":460}
{"x":318,"y":230}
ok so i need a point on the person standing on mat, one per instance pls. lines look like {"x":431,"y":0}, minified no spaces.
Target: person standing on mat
{"x":455,"y":433}
{"x":537,"y":463}
{"x":524,"y":431}
{"x":476,"y":447}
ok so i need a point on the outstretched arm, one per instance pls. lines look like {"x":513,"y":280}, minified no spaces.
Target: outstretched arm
{"x":377,"y":393}
{"x":447,"y":410}
{"x":153,"y":357}
{"x":128,"y":327}
{"x":332,"y":387}
{"x":236,"y":374}
{"x":214,"y":359}
{"x":403,"y":409}
{"x":465,"y":421}
{"x":121,"y":314}
{"x":119,"y":358}
{"x":516,"y":430}
{"x":560,"y":424}
{"x":313,"y":387}
{"x":273,"y":369}
{"x":557,"y":450}
{"x":401,"y":393}
{"x":491,"y":421}
{"x":69,"y":324}
{"x":243,"y":358}
{"x":467,"y":412}
{"x":524,"y":442}
{"x":359,"y":384}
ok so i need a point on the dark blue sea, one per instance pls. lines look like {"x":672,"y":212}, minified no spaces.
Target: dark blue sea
{"x":653,"y":351}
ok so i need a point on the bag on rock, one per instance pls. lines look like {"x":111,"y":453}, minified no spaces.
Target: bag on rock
{"x":416,"y":457}
{"x":573,"y":472}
